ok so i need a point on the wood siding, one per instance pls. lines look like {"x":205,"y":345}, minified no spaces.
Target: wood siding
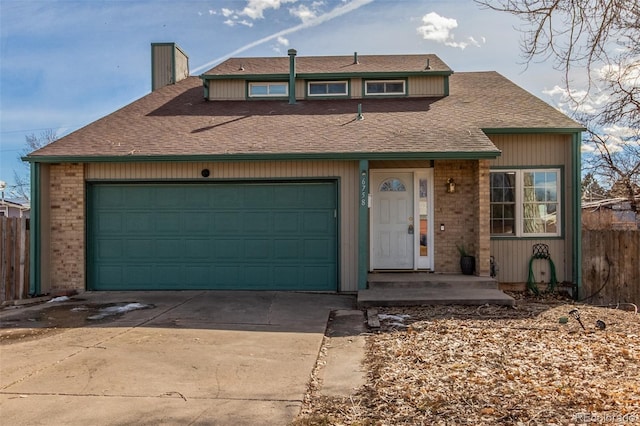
{"x":513,"y":255}
{"x":227,"y":90}
{"x":346,"y":171}
{"x":234,"y":90}
{"x":426,"y":86}
{"x":162,"y":66}
{"x":169,"y":65}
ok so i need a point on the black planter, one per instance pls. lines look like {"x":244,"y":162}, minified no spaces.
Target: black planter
{"x":468,"y":265}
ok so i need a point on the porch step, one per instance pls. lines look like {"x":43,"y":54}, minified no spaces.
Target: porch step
{"x":412,"y":296}
{"x":420,"y":288}
{"x":429,"y":280}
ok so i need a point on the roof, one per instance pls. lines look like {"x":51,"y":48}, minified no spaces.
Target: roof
{"x":176,"y":121}
{"x":329,"y":65}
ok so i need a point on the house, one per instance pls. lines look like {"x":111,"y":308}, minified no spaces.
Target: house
{"x":10,"y":208}
{"x":306,"y":173}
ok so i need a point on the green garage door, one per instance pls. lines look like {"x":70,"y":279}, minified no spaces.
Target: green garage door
{"x":244,"y":236}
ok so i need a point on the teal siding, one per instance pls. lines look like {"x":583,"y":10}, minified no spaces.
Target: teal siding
{"x":243,"y":236}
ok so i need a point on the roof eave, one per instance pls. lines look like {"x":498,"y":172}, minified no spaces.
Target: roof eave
{"x":284,"y":76}
{"x":456,"y":155}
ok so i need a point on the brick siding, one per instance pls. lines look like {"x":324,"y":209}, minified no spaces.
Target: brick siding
{"x":465,"y":218}
{"x":67,"y":210}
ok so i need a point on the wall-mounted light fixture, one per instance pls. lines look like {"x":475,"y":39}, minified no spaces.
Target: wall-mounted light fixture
{"x":451,"y":186}
{"x":205,"y":173}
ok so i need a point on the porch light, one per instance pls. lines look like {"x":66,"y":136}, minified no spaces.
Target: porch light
{"x":451,"y":186}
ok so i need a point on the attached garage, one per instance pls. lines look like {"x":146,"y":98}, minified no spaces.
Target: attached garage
{"x":226,"y":235}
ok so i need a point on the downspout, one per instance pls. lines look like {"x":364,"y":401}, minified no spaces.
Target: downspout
{"x":34,"y":230}
{"x":577,"y":206}
{"x":292,"y":76}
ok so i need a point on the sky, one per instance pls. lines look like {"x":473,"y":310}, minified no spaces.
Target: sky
{"x":67,"y":63}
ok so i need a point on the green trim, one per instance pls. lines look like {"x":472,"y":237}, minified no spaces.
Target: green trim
{"x":524,"y":130}
{"x":292,"y":76}
{"x":561,"y":202}
{"x":334,"y":75}
{"x":35,"y":237}
{"x":576,"y":180}
{"x":363,"y":224}
{"x":458,"y":155}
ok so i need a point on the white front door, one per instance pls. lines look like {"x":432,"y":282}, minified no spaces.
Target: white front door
{"x":392,"y":217}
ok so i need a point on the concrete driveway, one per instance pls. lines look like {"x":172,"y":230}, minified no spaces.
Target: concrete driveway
{"x":210,"y":358}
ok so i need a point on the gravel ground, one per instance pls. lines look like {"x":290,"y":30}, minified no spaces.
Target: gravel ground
{"x":489,"y":365}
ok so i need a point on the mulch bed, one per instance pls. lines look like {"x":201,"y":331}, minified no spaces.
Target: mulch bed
{"x":491,"y":365}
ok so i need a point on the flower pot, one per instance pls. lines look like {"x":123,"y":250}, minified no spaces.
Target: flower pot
{"x":468,"y":265}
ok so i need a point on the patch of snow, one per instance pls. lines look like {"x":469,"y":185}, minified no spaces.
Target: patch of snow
{"x":59,"y":299}
{"x":115,"y":310}
{"x":79,"y":309}
{"x":398,"y":318}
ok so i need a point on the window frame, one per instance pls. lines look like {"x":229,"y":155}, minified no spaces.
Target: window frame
{"x":251,"y":84}
{"x":519,"y":194}
{"x":385,"y":82}
{"x":327,"y":95}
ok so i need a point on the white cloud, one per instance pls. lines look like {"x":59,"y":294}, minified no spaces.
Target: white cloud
{"x":226,"y":12}
{"x":439,"y":29}
{"x":230,"y":22}
{"x":320,"y":19}
{"x":212,"y":12}
{"x":245,"y":23}
{"x":473,"y":41}
{"x":283,"y":41}
{"x":303,"y":12}
{"x":255,"y":8}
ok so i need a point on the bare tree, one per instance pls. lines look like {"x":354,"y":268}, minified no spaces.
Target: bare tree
{"x":22,"y":188}
{"x":596,"y":43}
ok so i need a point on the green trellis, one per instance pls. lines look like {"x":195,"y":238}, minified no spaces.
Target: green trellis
{"x":541,"y":251}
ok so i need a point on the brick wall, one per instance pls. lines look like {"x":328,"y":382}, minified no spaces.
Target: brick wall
{"x":464,"y":217}
{"x":67,"y":227}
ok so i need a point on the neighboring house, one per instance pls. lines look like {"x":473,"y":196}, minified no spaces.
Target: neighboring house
{"x":612,"y":213}
{"x":306,"y":173}
{"x":10,"y":208}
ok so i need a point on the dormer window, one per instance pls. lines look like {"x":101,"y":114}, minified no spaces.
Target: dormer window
{"x":327,"y":88}
{"x":385,"y":87}
{"x":268,"y":89}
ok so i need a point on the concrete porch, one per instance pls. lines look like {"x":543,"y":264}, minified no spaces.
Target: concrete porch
{"x":424,"y":288}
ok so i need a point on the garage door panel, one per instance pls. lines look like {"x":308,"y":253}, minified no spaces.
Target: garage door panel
{"x":219,"y":236}
{"x":110,"y":222}
{"x":109,"y":249}
{"x":317,"y":222}
{"x":227,"y":222}
{"x":139,"y":248}
{"x":257,"y":222}
{"x":286,"y":249}
{"x":257,"y":249}
{"x":284,"y":222}
{"x":195,"y":249}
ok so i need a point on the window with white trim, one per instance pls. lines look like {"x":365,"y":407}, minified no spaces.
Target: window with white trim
{"x":525,"y":203}
{"x":384,"y":87}
{"x":327,"y":88}
{"x":268,"y":89}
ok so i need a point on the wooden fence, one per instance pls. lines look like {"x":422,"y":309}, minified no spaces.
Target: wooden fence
{"x":14,"y":258}
{"x":610,"y":267}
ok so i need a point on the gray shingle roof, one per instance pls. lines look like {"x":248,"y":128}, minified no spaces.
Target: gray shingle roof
{"x":240,"y":67}
{"x":177,"y":121}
